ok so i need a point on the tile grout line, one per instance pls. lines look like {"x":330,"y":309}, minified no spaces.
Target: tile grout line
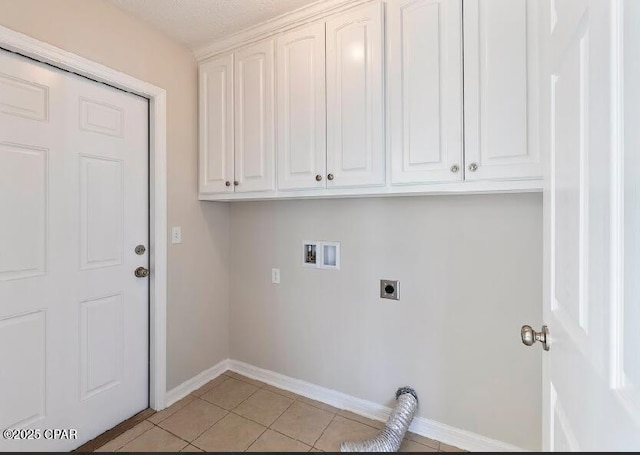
{"x":254,"y":441}
{"x":267,"y":427}
{"x":273,"y":429}
{"x":260,"y":423}
{"x":168,"y":431}
{"x":229,"y":411}
{"x":323,"y":431}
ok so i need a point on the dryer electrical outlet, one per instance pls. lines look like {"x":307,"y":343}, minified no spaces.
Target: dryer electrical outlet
{"x":390,"y":289}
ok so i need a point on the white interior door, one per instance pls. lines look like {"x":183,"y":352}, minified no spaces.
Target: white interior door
{"x":73,"y":205}
{"x":592,"y":231}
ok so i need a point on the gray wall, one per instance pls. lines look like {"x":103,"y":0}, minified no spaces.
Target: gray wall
{"x":470,"y":271}
{"x":197,"y":322}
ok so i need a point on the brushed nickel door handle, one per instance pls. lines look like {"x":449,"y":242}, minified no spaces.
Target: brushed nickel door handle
{"x":530,"y":336}
{"x":141,"y":272}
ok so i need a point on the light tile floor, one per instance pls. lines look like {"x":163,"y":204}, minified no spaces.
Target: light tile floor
{"x":236,"y":413}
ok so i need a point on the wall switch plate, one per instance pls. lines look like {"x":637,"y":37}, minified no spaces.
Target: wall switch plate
{"x":390,"y":289}
{"x":275,"y":276}
{"x":176,"y":234}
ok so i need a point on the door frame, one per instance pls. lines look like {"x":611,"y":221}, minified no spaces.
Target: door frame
{"x":25,"y":45}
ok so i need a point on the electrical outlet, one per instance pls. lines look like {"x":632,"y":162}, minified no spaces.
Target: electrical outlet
{"x":176,"y":234}
{"x":390,"y":289}
{"x":275,"y":276}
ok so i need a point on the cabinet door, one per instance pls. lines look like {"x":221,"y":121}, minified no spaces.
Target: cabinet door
{"x":425,"y":90}
{"x":216,"y":125}
{"x":254,"y":118}
{"x":301,"y":110}
{"x":500,"y":89}
{"x":355,"y":129}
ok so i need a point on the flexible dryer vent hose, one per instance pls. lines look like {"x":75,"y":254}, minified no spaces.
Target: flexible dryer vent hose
{"x":391,"y":437}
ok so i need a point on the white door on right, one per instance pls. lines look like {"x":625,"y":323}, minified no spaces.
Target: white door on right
{"x":591,"y":375}
{"x":501,"y":89}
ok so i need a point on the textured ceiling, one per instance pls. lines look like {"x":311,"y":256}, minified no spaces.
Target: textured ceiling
{"x":196,"y":23}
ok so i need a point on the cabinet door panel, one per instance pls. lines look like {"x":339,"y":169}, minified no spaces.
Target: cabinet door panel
{"x":216,"y":125}
{"x":300,"y":75}
{"x":355,"y":130}
{"x":501,"y":95}
{"x":425,"y":90}
{"x":254,"y":118}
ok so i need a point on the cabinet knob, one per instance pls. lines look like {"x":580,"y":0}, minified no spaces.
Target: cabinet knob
{"x":455,"y":168}
{"x":473,"y":167}
{"x":330,"y":176}
{"x":227,"y":183}
{"x":318,"y":178}
{"x":235,"y":183}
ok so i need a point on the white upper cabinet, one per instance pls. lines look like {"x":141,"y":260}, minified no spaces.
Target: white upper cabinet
{"x":299,"y":109}
{"x":300,"y":79}
{"x":501,"y":89}
{"x":216,"y":125}
{"x":254,"y":118}
{"x":355,"y":129}
{"x":424,"y":71}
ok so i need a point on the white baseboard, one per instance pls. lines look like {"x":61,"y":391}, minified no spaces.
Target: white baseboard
{"x":190,"y":385}
{"x":431,"y":429}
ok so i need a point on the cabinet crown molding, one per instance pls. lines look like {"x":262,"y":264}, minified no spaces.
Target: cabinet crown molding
{"x":310,"y":13}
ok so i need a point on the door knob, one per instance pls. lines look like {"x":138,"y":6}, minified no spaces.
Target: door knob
{"x":227,"y":183}
{"x":530,"y":336}
{"x":330,"y":176}
{"x":318,"y":178}
{"x":141,"y":272}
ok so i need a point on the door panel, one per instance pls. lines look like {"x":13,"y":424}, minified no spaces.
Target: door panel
{"x":101,"y":344}
{"x":216,"y":125}
{"x":24,"y":405}
{"x":425,"y":90}
{"x":74,"y":198}
{"x":301,"y":108}
{"x":254,"y":118}
{"x":355,"y":139}
{"x":101,"y":211}
{"x":23,"y":172}
{"x":501,"y":89}
{"x":24,"y":98}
